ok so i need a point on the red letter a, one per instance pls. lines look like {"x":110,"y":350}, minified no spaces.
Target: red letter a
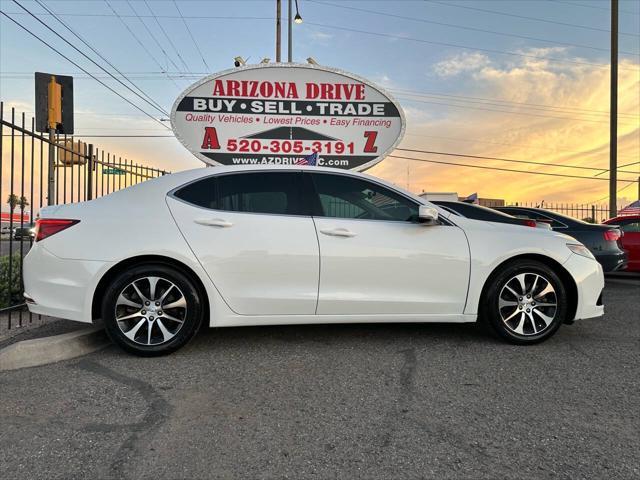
{"x":210,"y":141}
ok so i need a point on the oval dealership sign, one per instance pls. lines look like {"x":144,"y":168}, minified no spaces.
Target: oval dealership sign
{"x":281,"y":114}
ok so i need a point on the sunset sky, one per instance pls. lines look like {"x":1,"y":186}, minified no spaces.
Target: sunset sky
{"x":524,"y":80}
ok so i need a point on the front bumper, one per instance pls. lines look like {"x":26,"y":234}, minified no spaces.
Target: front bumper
{"x":60,"y":287}
{"x":589,"y":278}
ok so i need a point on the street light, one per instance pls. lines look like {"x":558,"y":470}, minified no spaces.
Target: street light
{"x":297,"y":18}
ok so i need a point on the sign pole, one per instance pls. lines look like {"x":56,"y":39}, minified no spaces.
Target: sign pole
{"x":51,"y":177}
{"x":278,"y":29}
{"x":290,"y":51}
{"x":613,"y":119}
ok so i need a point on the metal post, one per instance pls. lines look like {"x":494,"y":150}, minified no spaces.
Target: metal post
{"x":290,"y":22}
{"x":613,"y":119}
{"x":278,"y":29}
{"x":90,"y":172}
{"x":593,"y":214}
{"x":51,"y":178}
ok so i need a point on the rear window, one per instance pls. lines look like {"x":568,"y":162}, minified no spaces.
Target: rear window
{"x":476,"y":212}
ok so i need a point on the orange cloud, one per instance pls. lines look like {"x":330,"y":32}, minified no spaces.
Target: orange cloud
{"x":574,"y":132}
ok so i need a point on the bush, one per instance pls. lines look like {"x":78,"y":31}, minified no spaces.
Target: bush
{"x":10,"y":288}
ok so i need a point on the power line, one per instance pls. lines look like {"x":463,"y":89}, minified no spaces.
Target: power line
{"x":478,"y":140}
{"x":462,"y":27}
{"x":151,"y":103}
{"x":591,"y":6}
{"x":140,"y":42}
{"x":99,"y":55}
{"x":528,"y":114}
{"x":466,"y":47}
{"x":481,"y":157}
{"x":78,"y":66}
{"x":500,"y":169}
{"x":525,"y":17}
{"x":175,"y":17}
{"x":186,"y":25}
{"x":186,"y":67}
{"x":498,"y":101}
{"x":153,"y":37}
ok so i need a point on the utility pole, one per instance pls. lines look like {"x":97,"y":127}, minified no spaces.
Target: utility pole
{"x":290,"y":23}
{"x":278,"y":29}
{"x":613,"y":114}
{"x":54,"y":115}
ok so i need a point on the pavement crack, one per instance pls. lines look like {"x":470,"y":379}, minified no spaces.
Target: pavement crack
{"x":158,"y":411}
{"x":406,"y":383}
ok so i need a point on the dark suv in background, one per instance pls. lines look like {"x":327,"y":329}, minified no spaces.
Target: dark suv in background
{"x":602,"y":240}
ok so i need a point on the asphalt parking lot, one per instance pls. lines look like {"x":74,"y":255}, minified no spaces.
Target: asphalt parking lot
{"x":368,"y":401}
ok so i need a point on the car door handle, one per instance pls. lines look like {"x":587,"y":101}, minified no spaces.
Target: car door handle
{"x":213,"y":222}
{"x":338,"y":232}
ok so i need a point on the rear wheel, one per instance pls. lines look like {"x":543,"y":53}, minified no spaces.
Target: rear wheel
{"x":526,"y":302}
{"x":151,"y":310}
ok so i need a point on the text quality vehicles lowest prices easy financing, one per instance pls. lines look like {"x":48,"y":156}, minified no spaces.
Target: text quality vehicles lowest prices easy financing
{"x":239,"y":246}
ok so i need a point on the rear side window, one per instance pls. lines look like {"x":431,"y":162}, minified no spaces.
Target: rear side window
{"x":266,"y":192}
{"x":341,"y":196}
{"x":203,"y":193}
{"x":276,"y":193}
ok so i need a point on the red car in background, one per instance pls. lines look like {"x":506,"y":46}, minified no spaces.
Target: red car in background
{"x":630,"y":225}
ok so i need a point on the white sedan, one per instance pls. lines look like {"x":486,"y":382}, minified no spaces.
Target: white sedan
{"x":234,"y":246}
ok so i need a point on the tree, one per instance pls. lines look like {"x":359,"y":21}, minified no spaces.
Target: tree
{"x":14,"y":201}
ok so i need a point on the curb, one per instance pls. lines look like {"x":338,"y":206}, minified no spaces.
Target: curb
{"x":42,"y":351}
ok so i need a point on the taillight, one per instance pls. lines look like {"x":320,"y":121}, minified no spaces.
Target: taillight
{"x":612,"y":235}
{"x":45,"y":227}
{"x":530,"y":223}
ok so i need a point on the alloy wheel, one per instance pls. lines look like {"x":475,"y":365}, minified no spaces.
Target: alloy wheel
{"x":150,"y":310}
{"x":528,"y":304}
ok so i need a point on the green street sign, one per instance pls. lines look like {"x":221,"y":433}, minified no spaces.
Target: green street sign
{"x":113,"y":171}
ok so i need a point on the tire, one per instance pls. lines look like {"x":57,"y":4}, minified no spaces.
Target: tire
{"x":525,"y":303}
{"x":151,"y":323}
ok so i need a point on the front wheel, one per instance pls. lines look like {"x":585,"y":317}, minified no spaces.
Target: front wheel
{"x":526,"y":302}
{"x":151,"y":310}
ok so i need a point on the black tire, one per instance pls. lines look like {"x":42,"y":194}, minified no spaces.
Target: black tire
{"x":534,"y":328}
{"x":162,"y":324}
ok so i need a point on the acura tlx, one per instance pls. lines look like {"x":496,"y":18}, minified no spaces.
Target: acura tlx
{"x":237,"y":246}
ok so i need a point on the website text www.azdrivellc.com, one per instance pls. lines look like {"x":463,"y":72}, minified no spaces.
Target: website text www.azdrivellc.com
{"x":269,"y":160}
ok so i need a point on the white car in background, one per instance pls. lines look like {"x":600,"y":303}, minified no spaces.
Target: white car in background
{"x":235,"y":246}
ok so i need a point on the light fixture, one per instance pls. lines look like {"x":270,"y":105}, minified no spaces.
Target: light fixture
{"x":297,"y":19}
{"x":265,"y":60}
{"x":312,"y":61}
{"x":237,"y":61}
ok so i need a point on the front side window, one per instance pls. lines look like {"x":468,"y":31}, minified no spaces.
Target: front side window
{"x":341,"y":196}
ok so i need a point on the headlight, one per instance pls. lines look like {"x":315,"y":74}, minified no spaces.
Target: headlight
{"x":581,"y":250}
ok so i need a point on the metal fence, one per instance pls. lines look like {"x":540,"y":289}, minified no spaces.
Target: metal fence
{"x":588,"y":212}
{"x":80,"y":172}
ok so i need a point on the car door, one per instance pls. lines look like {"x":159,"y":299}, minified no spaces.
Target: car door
{"x":375,"y":256}
{"x":253,"y":236}
{"x":631,"y":241}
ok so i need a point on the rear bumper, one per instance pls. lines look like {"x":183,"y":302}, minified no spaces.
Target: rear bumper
{"x":59,"y":287}
{"x":612,"y":262}
{"x":589,"y":278}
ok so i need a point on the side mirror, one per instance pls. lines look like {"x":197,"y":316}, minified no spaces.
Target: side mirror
{"x":427,"y":215}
